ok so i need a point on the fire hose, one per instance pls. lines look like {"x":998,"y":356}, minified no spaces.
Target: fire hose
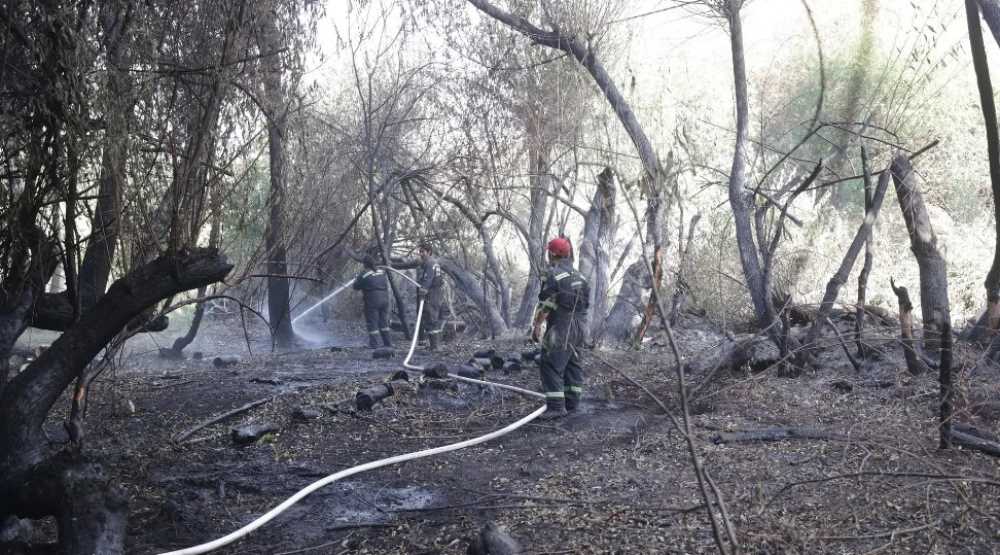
{"x":302,"y":493}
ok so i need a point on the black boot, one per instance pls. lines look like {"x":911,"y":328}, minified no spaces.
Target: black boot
{"x":373,"y":341}
{"x":572,"y":403}
{"x":556,"y":408}
{"x":432,"y":340}
{"x":386,"y":340}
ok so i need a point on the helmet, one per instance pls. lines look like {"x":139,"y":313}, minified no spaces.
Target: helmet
{"x":560,"y":246}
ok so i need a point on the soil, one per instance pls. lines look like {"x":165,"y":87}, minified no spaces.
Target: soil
{"x":615,"y":478}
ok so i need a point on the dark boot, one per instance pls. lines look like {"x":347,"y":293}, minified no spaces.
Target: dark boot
{"x":432,"y":340}
{"x":386,"y":340}
{"x":572,"y":403}
{"x":556,"y":409}
{"x":373,"y":341}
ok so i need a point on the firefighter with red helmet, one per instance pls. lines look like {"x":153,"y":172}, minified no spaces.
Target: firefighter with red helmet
{"x":562,"y":305}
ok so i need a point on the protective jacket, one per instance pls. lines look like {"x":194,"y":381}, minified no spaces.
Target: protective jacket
{"x":373,"y":286}
{"x":565,"y":295}
{"x":429,"y":277}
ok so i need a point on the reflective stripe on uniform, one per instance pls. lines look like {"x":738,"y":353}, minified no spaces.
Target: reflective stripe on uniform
{"x":574,"y":389}
{"x":373,"y":332}
{"x":555,"y":395}
{"x":434,"y":332}
{"x":383,"y":329}
{"x":561,"y":276}
{"x":549,"y":304}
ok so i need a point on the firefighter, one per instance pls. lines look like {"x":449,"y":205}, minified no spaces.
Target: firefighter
{"x":430,"y":280}
{"x":562,"y":305}
{"x":374,"y":292}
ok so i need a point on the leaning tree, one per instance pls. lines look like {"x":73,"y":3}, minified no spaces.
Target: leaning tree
{"x":108,"y":149}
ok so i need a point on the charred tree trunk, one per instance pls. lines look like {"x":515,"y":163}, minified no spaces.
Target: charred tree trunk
{"x":595,"y":257}
{"x":91,"y":512}
{"x":535,"y":239}
{"x":741,"y":199}
{"x":840,"y":277}
{"x":985,"y":87}
{"x":29,"y":486}
{"x":95,"y":269}
{"x":277,"y":286}
{"x":859,"y":318}
{"x":585,"y":55}
{"x":471,"y":287}
{"x":214,"y":236}
{"x":991,"y":13}
{"x":934,"y":306}
{"x":911,"y":348}
{"x":628,"y":304}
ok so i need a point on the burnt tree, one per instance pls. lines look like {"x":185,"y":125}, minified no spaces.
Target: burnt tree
{"x":584,"y":52}
{"x":277,"y":124}
{"x":979,"y":61}
{"x":35,"y":482}
{"x":599,"y":228}
{"x":934,"y":307}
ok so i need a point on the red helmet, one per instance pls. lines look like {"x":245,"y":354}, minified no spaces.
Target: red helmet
{"x":560,"y":246}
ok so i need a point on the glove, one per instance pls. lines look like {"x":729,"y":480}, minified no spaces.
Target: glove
{"x":421,"y":293}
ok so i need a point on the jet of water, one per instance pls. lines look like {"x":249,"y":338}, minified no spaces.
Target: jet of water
{"x":323,"y":300}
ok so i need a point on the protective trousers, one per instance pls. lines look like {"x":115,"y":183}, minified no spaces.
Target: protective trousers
{"x":377,"y":320}
{"x":431,"y":324}
{"x":562,"y":377}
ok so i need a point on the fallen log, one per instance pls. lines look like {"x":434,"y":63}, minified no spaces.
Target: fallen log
{"x":215,"y":419}
{"x":969,"y":437}
{"x":371,"y":396}
{"x":773,"y":434}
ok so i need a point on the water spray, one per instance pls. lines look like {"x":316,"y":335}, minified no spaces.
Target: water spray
{"x":324,"y":299}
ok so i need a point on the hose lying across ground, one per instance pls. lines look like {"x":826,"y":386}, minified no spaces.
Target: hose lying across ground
{"x":298,"y":496}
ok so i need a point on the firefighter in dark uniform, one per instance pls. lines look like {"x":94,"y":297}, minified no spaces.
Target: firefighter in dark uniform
{"x":562,"y":305}
{"x":431,"y":280}
{"x":374,"y":290}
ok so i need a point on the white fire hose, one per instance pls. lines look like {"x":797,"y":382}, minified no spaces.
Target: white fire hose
{"x":299,"y":495}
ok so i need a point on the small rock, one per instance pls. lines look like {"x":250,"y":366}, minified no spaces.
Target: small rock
{"x":437,"y":371}
{"x":383,"y":352}
{"x":842,"y":386}
{"x":197,"y":355}
{"x":250,"y":433}
{"x":266,"y":381}
{"x":223,"y":361}
{"x":467,"y":371}
{"x":400,"y":375}
{"x":14,"y":529}
{"x":337,"y":349}
{"x":531,"y":356}
{"x":171,"y":354}
{"x":494,"y":540}
{"x":512,"y":366}
{"x":307,"y":413}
